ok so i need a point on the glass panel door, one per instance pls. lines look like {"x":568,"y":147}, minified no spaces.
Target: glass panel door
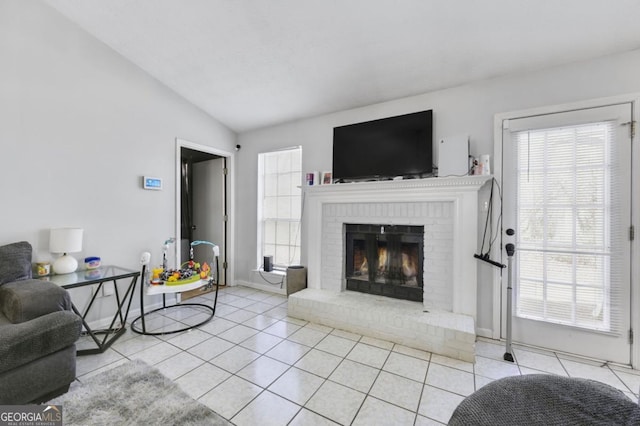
{"x":567,"y":195}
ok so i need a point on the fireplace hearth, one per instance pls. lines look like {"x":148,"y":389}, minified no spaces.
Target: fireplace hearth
{"x":385,"y":260}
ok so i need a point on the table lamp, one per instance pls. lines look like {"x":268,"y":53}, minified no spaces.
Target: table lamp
{"x":65,"y":240}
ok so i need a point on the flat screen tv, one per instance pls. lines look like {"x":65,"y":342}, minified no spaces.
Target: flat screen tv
{"x":384,"y":148}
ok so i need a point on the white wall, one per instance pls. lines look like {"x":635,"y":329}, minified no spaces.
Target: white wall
{"x":466,"y":109}
{"x":79,"y":126}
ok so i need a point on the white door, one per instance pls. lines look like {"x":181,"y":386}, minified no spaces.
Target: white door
{"x":567,"y":194}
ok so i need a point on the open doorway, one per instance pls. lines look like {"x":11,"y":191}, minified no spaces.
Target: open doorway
{"x":202,"y":204}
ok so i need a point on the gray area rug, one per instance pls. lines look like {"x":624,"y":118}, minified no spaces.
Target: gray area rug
{"x":133,"y":394}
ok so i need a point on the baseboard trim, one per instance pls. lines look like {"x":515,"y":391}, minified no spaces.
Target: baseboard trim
{"x":264,"y":287}
{"x":484,"y":332}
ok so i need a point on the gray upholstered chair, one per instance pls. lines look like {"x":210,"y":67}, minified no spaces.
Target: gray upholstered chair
{"x":544,"y":399}
{"x":38,"y":332}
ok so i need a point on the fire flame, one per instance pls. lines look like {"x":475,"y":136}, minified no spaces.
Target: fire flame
{"x":409,"y":268}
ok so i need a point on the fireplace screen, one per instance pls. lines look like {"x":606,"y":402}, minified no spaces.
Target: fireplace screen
{"x":385,"y":260}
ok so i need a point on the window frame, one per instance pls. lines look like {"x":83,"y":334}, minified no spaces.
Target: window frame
{"x":295,"y":212}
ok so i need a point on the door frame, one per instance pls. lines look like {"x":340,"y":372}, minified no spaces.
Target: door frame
{"x":499,"y":311}
{"x":230,"y":201}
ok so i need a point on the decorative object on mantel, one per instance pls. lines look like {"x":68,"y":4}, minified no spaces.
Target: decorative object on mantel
{"x":486,"y":164}
{"x":312,"y":178}
{"x":65,"y":240}
{"x":482,"y":165}
{"x":326,"y":178}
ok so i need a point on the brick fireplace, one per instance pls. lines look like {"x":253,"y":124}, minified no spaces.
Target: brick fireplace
{"x":447,"y":211}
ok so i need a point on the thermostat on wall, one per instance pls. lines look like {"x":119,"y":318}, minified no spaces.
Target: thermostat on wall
{"x":151,"y":183}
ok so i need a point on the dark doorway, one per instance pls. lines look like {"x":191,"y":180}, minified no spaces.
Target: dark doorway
{"x":203,"y":204}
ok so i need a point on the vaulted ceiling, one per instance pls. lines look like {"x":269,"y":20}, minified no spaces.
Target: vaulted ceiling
{"x":255,"y":63}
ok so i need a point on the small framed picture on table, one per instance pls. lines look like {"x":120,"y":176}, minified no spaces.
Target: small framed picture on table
{"x":326,"y":178}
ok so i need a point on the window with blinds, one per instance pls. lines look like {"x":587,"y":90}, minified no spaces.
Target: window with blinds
{"x":279,"y":180}
{"x":564,"y":194}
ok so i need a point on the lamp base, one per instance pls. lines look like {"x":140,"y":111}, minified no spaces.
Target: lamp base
{"x":65,"y":265}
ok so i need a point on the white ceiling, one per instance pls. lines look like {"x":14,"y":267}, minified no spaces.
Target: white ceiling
{"x":252,"y":63}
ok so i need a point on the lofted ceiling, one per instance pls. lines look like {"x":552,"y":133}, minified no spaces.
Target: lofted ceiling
{"x":256,"y":63}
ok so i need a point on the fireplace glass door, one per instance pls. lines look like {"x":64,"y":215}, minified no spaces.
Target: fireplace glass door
{"x":385,"y":260}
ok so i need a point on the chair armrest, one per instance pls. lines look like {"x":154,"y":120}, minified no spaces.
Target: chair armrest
{"x":24,"y":342}
{"x":25,"y":300}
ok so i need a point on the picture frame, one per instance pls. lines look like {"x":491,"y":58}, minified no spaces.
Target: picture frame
{"x":310,"y":179}
{"x":326,"y":178}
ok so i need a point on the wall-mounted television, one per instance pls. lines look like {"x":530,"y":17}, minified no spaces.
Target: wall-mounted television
{"x":384,"y":148}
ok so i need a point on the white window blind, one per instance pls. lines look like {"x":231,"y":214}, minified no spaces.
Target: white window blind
{"x":279,"y":180}
{"x":566,"y":187}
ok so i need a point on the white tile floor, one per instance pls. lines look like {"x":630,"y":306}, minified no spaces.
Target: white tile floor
{"x":254,"y":365}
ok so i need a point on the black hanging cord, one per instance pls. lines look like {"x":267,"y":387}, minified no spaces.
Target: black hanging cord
{"x":499,"y":222}
{"x":486,"y":223}
{"x":484,"y":255}
{"x":270,"y":282}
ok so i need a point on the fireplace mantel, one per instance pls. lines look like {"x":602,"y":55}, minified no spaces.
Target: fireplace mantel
{"x":426,"y":187}
{"x":461,"y":192}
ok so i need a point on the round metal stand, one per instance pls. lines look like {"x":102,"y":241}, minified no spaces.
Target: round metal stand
{"x":139,"y":330}
{"x":143,"y":330}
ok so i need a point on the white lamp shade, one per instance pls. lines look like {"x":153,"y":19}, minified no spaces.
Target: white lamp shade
{"x":65,"y":240}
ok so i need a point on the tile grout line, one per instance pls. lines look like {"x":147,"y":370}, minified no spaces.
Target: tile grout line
{"x":426,"y":374}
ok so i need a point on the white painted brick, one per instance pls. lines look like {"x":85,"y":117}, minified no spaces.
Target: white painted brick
{"x":329,"y":210}
{"x":396,"y":321}
{"x":458,"y":345}
{"x":431,"y":215}
{"x":446,"y":209}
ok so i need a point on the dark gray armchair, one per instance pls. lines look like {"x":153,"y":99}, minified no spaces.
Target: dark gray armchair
{"x":38,"y":332}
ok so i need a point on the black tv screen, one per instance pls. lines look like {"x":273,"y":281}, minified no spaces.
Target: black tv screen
{"x":385,"y":148}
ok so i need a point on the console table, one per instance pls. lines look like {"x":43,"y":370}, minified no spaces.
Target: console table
{"x":101,"y":276}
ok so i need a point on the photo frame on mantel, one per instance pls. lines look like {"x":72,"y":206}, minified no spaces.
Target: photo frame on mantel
{"x":326,"y":178}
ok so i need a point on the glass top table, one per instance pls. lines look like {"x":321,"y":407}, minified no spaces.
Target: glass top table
{"x":100,"y":276}
{"x":92,"y":276}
